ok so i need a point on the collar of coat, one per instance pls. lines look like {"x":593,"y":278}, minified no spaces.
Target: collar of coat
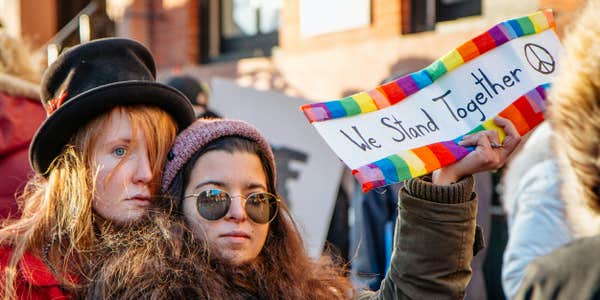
{"x":18,"y":87}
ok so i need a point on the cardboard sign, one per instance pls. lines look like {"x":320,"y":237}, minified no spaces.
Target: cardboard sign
{"x":308,"y":173}
{"x":410,"y":127}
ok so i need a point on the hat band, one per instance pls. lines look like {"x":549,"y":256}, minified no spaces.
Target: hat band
{"x":53,"y":104}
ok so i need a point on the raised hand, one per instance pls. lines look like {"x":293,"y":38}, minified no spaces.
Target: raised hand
{"x":489,"y":153}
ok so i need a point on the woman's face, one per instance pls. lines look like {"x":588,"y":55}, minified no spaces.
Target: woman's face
{"x":235,"y":237}
{"x":123,"y":182}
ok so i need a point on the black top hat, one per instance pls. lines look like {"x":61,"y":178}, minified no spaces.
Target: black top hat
{"x":91,"y":79}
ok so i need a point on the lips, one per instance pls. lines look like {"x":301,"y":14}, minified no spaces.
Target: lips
{"x":236,"y":234}
{"x":140,"y":199}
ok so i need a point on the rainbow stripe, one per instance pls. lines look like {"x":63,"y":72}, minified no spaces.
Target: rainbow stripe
{"x":396,"y":91}
{"x":525,"y":113}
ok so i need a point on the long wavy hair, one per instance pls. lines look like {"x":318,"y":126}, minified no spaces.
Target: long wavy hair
{"x":298,"y":276}
{"x":574,"y":114}
{"x":57,"y":223}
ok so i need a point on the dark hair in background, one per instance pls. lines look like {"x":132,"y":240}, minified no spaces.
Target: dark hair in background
{"x":298,"y":276}
{"x":188,"y":85}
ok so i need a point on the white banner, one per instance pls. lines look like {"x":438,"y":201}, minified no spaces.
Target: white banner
{"x":449,"y":107}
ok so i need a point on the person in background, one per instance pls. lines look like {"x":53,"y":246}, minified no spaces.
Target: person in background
{"x":536,"y":214}
{"x":195,"y":92}
{"x":573,"y":271}
{"x":20,"y":115}
{"x":372,"y":233}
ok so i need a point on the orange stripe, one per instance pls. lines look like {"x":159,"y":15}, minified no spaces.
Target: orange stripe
{"x":429,"y":159}
{"x":550,"y":18}
{"x":514,"y":115}
{"x":380,"y":100}
{"x":468,"y":51}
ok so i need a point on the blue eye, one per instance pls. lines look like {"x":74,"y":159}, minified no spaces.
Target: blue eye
{"x":120,"y":151}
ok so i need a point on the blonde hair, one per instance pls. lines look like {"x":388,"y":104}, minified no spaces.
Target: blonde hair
{"x":18,"y":59}
{"x":574,"y":114}
{"x":57,"y":222}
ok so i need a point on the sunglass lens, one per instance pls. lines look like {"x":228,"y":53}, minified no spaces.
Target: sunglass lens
{"x":261,"y":207}
{"x":213,"y":204}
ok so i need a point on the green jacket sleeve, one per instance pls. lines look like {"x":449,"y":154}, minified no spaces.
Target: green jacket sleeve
{"x":433,"y":244}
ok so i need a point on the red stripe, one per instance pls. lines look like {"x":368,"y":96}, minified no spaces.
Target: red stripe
{"x":532,"y":118}
{"x":484,"y":42}
{"x":515,"y":116}
{"x":444,"y":156}
{"x":393,"y":92}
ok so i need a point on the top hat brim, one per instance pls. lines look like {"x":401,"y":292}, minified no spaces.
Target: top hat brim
{"x":56,"y":131}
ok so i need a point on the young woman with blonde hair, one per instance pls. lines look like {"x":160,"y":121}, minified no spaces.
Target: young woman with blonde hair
{"x":97,"y":158}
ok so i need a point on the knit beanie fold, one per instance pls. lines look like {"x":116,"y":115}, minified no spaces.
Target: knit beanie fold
{"x":201,"y":133}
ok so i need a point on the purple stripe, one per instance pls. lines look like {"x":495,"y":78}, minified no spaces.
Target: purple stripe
{"x":535,"y":100}
{"x":369,"y":173}
{"x":320,"y":111}
{"x":498,"y":35}
{"x":408,"y":85}
{"x":458,"y":151}
{"x":542,"y":91}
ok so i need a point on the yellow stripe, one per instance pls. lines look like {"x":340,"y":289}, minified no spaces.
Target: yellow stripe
{"x":415,"y":164}
{"x":452,"y":60}
{"x":365,"y":102}
{"x":490,"y":125}
{"x":539,"y":20}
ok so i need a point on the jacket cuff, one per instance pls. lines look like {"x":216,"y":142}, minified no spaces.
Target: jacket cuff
{"x":423,"y":188}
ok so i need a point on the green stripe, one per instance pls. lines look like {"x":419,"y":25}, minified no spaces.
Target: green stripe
{"x":477,"y":129}
{"x":526,"y":25}
{"x":350,"y":106}
{"x":401,"y":167}
{"x":436,"y":70}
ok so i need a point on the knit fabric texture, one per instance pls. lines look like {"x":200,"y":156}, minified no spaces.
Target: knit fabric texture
{"x":458,"y":192}
{"x":201,"y":133}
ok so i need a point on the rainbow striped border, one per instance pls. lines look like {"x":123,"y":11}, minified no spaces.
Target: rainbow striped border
{"x":525,"y":113}
{"x":396,"y":91}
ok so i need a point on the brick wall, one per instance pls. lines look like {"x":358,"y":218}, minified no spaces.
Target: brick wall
{"x":386,"y":21}
{"x":168,"y":28}
{"x":174,"y":32}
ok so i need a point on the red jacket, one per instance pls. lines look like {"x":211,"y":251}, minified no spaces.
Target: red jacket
{"x":34,"y":279}
{"x":20,"y":116}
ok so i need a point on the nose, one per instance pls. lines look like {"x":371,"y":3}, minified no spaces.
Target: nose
{"x":236,"y":212}
{"x":143,"y":172}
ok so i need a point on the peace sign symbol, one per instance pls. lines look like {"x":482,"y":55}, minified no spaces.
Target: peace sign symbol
{"x":539,"y":58}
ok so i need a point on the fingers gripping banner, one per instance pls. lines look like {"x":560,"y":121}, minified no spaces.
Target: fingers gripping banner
{"x":412,"y":126}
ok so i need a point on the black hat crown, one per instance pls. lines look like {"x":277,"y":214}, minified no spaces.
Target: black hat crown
{"x":91,"y":79}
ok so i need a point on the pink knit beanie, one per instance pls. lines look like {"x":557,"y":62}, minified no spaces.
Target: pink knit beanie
{"x":201,"y":133}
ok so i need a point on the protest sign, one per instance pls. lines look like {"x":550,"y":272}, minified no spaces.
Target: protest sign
{"x":410,"y":127}
{"x":308,"y":173}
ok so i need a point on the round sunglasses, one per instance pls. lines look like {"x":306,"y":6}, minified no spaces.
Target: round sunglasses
{"x":214,"y":204}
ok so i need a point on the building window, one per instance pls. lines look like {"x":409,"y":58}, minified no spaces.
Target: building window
{"x":426,"y":13}
{"x":453,"y":9}
{"x":240,"y":28}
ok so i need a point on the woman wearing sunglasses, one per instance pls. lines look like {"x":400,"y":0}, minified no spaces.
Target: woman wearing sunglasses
{"x":221,"y":177}
{"x":224,"y":173}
